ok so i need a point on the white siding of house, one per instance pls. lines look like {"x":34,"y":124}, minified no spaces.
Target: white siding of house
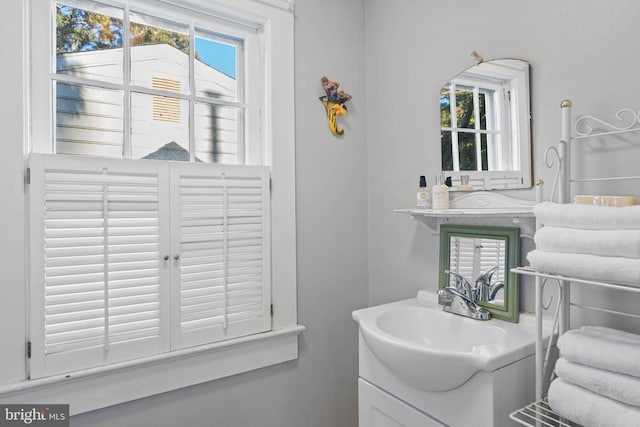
{"x":89,"y":119}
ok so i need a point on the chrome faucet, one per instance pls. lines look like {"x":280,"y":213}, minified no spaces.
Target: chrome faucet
{"x":463,"y":285}
{"x":486,"y":290}
{"x":461,"y":299}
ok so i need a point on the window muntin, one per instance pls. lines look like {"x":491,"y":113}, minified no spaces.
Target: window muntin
{"x":159,"y":49}
{"x":156,"y":50}
{"x":216,"y":139}
{"x":86,"y":27}
{"x":471,"y":126}
{"x":89,"y":120}
{"x":154,"y":115}
{"x":218,"y":66}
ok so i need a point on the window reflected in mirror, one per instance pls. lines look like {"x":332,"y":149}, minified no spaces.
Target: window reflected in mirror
{"x":485,"y":126}
{"x":465,"y":128}
{"x":484,"y":257}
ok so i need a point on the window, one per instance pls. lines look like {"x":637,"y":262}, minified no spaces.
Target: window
{"x":132,"y":258}
{"x":472,"y":126}
{"x":108,"y":235}
{"x":132,"y":85}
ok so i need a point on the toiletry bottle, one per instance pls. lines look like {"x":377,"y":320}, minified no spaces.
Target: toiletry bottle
{"x":440,"y":194}
{"x":423,"y":196}
{"x":464,"y":183}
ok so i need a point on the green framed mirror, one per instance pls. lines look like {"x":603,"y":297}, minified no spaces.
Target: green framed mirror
{"x":473,"y":251}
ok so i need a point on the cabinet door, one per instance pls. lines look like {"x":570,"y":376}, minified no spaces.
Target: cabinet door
{"x":377,"y":408}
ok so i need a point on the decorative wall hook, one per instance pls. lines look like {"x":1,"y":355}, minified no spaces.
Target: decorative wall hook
{"x":477,"y":56}
{"x":333,"y":103}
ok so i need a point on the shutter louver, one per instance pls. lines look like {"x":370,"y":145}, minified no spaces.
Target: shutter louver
{"x":471,"y":256}
{"x":463,"y":252}
{"x":99,"y":286}
{"x":493,"y":254}
{"x":224,"y":265}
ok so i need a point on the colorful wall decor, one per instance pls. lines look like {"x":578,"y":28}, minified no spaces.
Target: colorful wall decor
{"x":333,"y":103}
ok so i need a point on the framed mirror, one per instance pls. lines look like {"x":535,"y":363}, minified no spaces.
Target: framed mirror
{"x":484,"y":256}
{"x":485,"y":126}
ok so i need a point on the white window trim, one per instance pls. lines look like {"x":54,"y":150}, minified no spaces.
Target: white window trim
{"x":101,"y":387}
{"x":97,"y":388}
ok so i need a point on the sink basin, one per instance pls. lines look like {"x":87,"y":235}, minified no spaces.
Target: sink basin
{"x":437,"y":329}
{"x":433,"y":350}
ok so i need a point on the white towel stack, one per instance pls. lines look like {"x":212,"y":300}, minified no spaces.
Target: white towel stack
{"x":598,"y":382}
{"x":588,"y":242}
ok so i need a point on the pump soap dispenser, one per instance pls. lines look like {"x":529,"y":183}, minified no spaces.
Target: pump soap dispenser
{"x":440,"y":194}
{"x":423,"y":197}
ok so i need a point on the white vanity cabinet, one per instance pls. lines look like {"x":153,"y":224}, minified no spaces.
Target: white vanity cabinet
{"x":377,"y":408}
{"x":432,"y":386}
{"x":486,"y":399}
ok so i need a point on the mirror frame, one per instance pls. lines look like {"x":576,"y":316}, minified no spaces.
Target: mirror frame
{"x":510,"y":311}
{"x":503,"y":180}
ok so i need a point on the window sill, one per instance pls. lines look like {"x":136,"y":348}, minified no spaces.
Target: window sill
{"x":97,"y":388}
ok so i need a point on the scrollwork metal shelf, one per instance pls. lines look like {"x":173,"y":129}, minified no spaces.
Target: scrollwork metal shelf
{"x":539,"y":413}
{"x":585,"y":128}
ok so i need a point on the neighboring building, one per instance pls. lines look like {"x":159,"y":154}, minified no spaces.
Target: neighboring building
{"x":89,"y":119}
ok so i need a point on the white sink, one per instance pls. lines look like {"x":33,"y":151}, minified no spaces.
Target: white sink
{"x":433,"y":350}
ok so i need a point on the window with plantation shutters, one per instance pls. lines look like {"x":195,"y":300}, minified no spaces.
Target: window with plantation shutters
{"x":138,"y":276}
{"x":131,"y":259}
{"x":471,"y":256}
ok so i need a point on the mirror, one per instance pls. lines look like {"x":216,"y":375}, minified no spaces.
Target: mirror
{"x":493,"y":251}
{"x":485,"y":127}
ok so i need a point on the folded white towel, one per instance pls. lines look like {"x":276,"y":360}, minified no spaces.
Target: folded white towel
{"x":586,"y":216}
{"x":623,"y":243}
{"x":610,"y":334}
{"x":589,"y":409}
{"x":616,"y":352}
{"x":587,"y":266}
{"x":623,"y":388}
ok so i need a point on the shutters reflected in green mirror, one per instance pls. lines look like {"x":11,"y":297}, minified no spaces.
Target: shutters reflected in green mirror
{"x":484,"y":256}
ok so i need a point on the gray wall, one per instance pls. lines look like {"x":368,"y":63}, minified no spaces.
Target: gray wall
{"x":320,"y":389}
{"x":578,"y":49}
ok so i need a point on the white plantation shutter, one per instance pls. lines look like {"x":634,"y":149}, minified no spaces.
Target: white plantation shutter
{"x":462,"y":258}
{"x":493,"y":254}
{"x":223,"y":245}
{"x":136,"y":258}
{"x":98,"y":289}
{"x":471,"y":256}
